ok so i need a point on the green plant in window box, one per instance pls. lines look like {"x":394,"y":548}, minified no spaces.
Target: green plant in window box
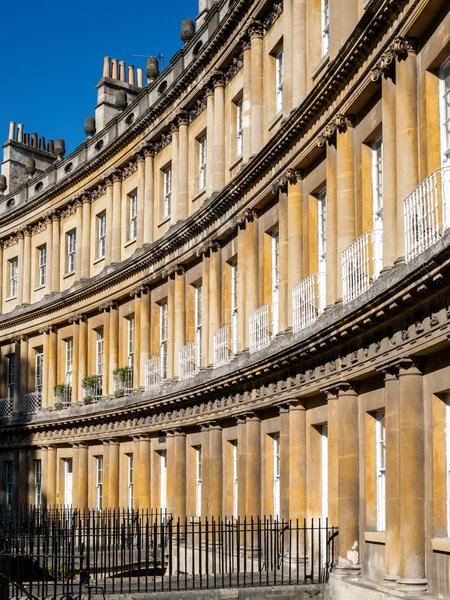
{"x":58,"y":406}
{"x":120,"y":393}
{"x":88,"y":399}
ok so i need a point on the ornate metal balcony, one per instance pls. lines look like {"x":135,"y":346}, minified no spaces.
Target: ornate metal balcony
{"x":262,"y":324}
{"x":189,"y":360}
{"x":6,"y":406}
{"x":62,"y":396}
{"x":92,"y":389}
{"x":155,"y":373}
{"x":361,"y":264}
{"x":223,"y":346}
{"x":426,"y":212}
{"x":32,"y":403}
{"x":123,"y":382}
{"x":308,"y":301}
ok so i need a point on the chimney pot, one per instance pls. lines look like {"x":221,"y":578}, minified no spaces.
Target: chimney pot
{"x":42,"y":143}
{"x":131,"y":74}
{"x":20,"y":133}
{"x":106,"y":67}
{"x":140,"y":77}
{"x":51,"y":147}
{"x":122,"y":70}
{"x":12,"y":128}
{"x":27,"y":139}
{"x":115,"y":74}
{"x":34,"y":140}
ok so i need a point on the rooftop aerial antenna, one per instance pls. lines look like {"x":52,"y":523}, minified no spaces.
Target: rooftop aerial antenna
{"x":159,"y":57}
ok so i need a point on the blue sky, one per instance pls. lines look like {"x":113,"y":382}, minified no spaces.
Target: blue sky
{"x":52,"y":56}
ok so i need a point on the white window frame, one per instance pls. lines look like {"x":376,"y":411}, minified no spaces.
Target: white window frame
{"x":163,"y":481}
{"x":198,"y":314}
{"x":322,"y":246}
{"x":42,"y":270}
{"x":68,"y":476}
{"x":13,"y":277}
{"x":9,"y":483}
{"x":132,"y":215}
{"x":325,"y":25}
{"x":444,"y":119}
{"x":234,"y":306}
{"x":167,"y":192}
{"x":99,"y":351}
{"x":198,"y":481}
{"x":380,"y":441}
{"x":130,"y":473}
{"x":101,"y":235}
{"x":276,"y":476}
{"x":163,"y":330}
{"x":275,"y":273}
{"x":71,"y":251}
{"x":10,"y":375}
{"x":377,"y":204}
{"x":130,"y":340}
{"x":279,"y":76}
{"x":234,"y":444}
{"x":39,"y":369}
{"x":239,"y":128}
{"x":37,"y":483}
{"x":99,"y":483}
{"x":69,"y":361}
{"x":324,"y":471}
{"x":202,"y":161}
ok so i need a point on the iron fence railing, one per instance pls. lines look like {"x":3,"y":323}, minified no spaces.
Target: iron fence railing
{"x":52,"y":553}
{"x":32,"y":403}
{"x":223,"y":346}
{"x":262,"y":326}
{"x":155,"y":373}
{"x":189,"y":360}
{"x":308,"y":301}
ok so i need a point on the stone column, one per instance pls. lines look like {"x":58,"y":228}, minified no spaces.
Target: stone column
{"x":144,"y":472}
{"x":145,"y":334}
{"x":79,"y":240}
{"x":179,"y":474}
{"x":183,"y":168}
{"x":348,"y":477}
{"x":246,"y":100}
{"x":209,"y":90}
{"x":253,"y":465}
{"x":114,"y":474}
{"x":46,"y":398}
{"x":171,"y":359}
{"x":26,"y":266}
{"x":137,"y":470}
{"x":51,"y":477}
{"x":257,"y":56}
{"x":241,"y":285}
{"x":412,"y":496}
{"x":388,"y":109}
{"x":206,"y":343}
{"x":140,"y":200}
{"x":109,"y":220}
{"x":2,"y":279}
{"x":215,"y":281}
{"x":215,"y":471}
{"x":285,"y":457}
{"x":251,"y":270}
{"x":299,"y":37}
{"x":52,"y":362}
{"x":206,"y":473}
{"x":180,"y":316}
{"x":83,"y":476}
{"x":137,"y":339}
{"x":76,"y":354}
{"x":392,"y":420}
{"x":345,"y":193}
{"x":17,"y":407}
{"x":242,"y":464}
{"x":332,"y":257}
{"x":175,"y":163}
{"x":75,"y":475}
{"x":149,"y":201}
{"x":406,"y":132}
{"x":288,"y":52}
{"x":284,"y":314}
{"x":333,"y":457}
{"x":23,"y":370}
{"x":106,"y":475}
{"x":116,"y":217}
{"x":21,"y":273}
{"x":113,"y":341}
{"x":107,"y":377}
{"x":82,"y":352}
{"x":44,"y":465}
{"x":23,"y":478}
{"x":294,"y":234}
{"x":219,"y":133}
{"x":297,"y":460}
{"x":86,"y":238}
{"x":56,"y":254}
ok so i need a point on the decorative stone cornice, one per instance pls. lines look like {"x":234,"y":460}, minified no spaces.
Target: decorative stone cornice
{"x":273,"y":15}
{"x":129,"y":169}
{"x":198,"y":108}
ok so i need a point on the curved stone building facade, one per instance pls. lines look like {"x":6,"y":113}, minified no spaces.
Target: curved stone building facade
{"x":233,"y":297}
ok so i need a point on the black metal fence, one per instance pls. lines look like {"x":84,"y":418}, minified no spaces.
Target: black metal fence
{"x":60,"y":552}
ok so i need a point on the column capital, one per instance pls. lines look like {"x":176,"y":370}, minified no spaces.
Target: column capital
{"x":150,"y":150}
{"x":47,"y":329}
{"x":328,"y":135}
{"x":292,"y":404}
{"x":19,"y":338}
{"x":75,"y":318}
{"x":247,"y":416}
{"x":245,"y":41}
{"x":343,"y":122}
{"x":116,"y":175}
{"x":208,"y":425}
{"x":402,"y":47}
{"x":178,"y":432}
{"x":86,"y":198}
{"x":384,"y":67}
{"x":183,"y":118}
{"x":108,"y":305}
{"x":255,"y":29}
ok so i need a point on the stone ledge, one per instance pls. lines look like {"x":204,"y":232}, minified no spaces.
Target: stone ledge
{"x":439,"y":544}
{"x":375,"y":537}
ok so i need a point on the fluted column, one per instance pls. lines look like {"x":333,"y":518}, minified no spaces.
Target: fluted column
{"x":140,"y":200}
{"x":106,"y":475}
{"x":21,"y":273}
{"x":183,"y":167}
{"x":219,"y":133}
{"x":215,"y":280}
{"x":180,"y":315}
{"x":144,"y":472}
{"x":116,"y":217}
{"x":114,"y":474}
{"x":82,"y":352}
{"x":26,"y":266}
{"x":52,"y":363}
{"x":246,"y":100}
{"x":51,"y":476}
{"x":388,"y":109}
{"x":332,"y":257}
{"x":242,"y":464}
{"x":56,"y":254}
{"x":145,"y":334}
{"x":406,"y":132}
{"x":107,"y":378}
{"x":113,"y":341}
{"x":149,"y":195}
{"x":251,"y":270}
{"x":295,"y":235}
{"x":86,"y":238}
{"x":299,"y":37}
{"x":412,"y":496}
{"x":209,"y":90}
{"x":346,"y":229}
{"x":109,"y":220}
{"x":79,"y":239}
{"x":257,"y":57}
{"x":392,"y":421}
{"x":83,"y":476}
{"x":284,"y":314}
{"x":23,"y":370}
{"x":175,"y":165}
{"x":179,"y":474}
